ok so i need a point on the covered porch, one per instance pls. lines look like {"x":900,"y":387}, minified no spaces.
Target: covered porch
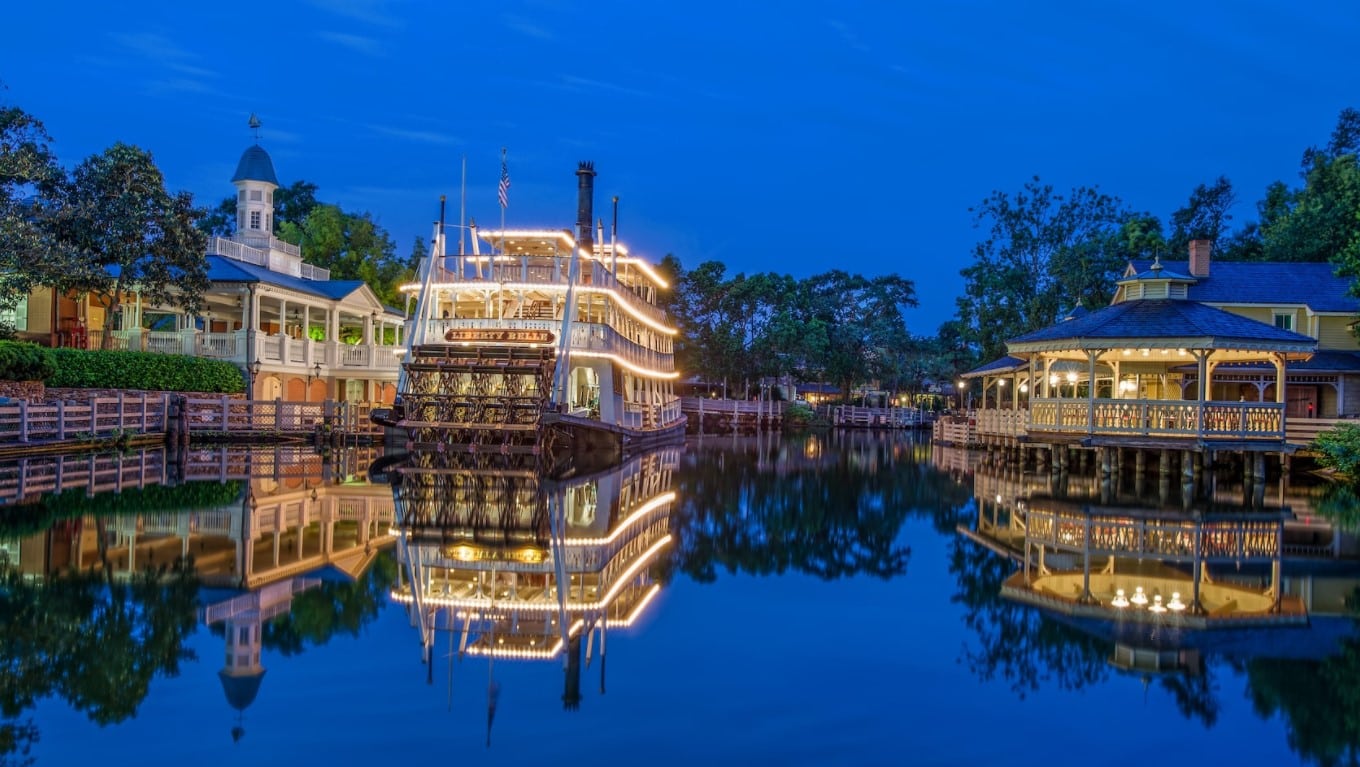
{"x":1142,"y":369}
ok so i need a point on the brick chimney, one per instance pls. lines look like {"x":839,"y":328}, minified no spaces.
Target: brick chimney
{"x":1199,"y":257}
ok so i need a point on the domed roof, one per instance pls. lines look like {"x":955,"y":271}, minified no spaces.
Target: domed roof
{"x":255,"y":165}
{"x":240,"y":690}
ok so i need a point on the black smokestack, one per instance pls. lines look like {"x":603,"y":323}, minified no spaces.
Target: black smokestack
{"x":585,"y":203}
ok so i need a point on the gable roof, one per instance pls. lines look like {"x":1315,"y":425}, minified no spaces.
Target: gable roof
{"x":1145,"y":322}
{"x":1312,"y":284}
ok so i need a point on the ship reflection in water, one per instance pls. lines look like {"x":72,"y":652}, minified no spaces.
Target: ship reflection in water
{"x":505,"y":563}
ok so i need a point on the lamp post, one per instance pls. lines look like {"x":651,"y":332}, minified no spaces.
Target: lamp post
{"x":252,"y":371}
{"x":961,"y":387}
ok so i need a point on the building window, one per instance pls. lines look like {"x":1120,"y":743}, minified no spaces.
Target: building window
{"x":254,"y":219}
{"x":242,"y":196}
{"x":1284,"y":321}
{"x":17,"y":316}
{"x":256,"y":195}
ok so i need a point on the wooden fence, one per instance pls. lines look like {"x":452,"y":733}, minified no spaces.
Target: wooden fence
{"x":105,"y":418}
{"x":100,"y":418}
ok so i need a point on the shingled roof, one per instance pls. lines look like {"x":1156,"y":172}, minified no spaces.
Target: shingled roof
{"x":1161,"y":323}
{"x":1314,"y":285}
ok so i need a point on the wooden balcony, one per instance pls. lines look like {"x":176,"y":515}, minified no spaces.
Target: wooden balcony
{"x":1221,"y":421}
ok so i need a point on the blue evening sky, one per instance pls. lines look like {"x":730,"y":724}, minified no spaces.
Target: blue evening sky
{"x":792,"y":137}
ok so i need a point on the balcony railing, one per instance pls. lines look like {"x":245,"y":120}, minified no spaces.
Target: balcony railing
{"x":587,"y":336}
{"x":1159,"y":418}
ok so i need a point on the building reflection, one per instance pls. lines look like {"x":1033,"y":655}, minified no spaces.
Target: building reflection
{"x":251,"y":529}
{"x":510,"y":565}
{"x":1162,"y":581}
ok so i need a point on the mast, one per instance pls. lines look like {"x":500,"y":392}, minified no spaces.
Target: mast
{"x":614,"y":241}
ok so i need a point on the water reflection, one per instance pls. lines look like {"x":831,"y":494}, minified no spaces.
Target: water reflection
{"x":1069,"y":579}
{"x":111,"y":561}
{"x":509,"y":564}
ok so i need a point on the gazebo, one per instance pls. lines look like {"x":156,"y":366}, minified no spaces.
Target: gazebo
{"x":1117,"y":373}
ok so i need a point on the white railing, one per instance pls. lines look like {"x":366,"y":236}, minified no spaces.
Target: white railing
{"x":356,"y":356}
{"x":310,"y":272}
{"x":268,"y":242}
{"x":222,"y":346}
{"x":1173,"y":418}
{"x":1003,"y":423}
{"x":238,"y":251}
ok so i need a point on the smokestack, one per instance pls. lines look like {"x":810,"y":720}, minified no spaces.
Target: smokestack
{"x":1200,"y":251}
{"x":585,"y":199}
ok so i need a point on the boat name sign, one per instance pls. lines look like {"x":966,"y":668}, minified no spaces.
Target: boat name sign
{"x":498,"y":336}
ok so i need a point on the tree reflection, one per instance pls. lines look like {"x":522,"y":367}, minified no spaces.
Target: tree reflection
{"x":803,"y":505}
{"x":90,"y":640}
{"x":1319,"y":702}
{"x":1015,"y":643}
{"x":331,"y":609}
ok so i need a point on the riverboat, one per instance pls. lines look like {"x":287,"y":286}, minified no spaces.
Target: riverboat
{"x":548,"y":342}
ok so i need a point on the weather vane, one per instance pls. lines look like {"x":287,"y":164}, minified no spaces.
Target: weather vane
{"x":255,"y":126}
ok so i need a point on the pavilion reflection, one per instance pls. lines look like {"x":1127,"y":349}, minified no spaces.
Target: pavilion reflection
{"x":509,"y":564}
{"x":1160,"y":580}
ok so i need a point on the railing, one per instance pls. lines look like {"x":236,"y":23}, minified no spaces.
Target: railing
{"x":587,"y":336}
{"x":594,"y":276}
{"x":224,"y":414}
{"x":956,"y":430}
{"x":96,"y":473}
{"x":310,"y":272}
{"x":894,"y":417}
{"x":99,"y":418}
{"x":1002,"y":423}
{"x":222,"y":346}
{"x":1236,"y":540}
{"x":1173,"y":418}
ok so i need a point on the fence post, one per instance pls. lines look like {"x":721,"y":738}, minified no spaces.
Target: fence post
{"x":23,"y":420}
{"x":120,"y":411}
{"x":226,"y":414}
{"x":278,"y":414}
{"x":61,"y":419}
{"x":94,"y":416}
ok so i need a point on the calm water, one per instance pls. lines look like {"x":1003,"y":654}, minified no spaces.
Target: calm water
{"x":835,"y":599}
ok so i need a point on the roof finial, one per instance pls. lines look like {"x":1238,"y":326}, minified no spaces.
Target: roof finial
{"x":1156,"y":263}
{"x":255,"y":126}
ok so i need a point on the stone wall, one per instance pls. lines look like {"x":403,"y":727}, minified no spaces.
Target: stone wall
{"x":33,"y":391}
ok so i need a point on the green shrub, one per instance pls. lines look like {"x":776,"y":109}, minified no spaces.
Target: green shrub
{"x":1339,"y":449}
{"x":80,"y":369}
{"x":21,"y":361}
{"x":798,"y":415}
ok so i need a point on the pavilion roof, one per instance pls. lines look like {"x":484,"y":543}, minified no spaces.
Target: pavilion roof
{"x":1162,"y":323}
{"x":1000,"y":365}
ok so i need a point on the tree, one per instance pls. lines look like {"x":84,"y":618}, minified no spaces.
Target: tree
{"x":1318,"y":222}
{"x":128,"y":234}
{"x":1044,"y":253}
{"x":29,"y":179}
{"x":1204,"y":217}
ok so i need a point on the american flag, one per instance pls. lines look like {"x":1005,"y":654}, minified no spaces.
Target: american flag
{"x":504,"y":190}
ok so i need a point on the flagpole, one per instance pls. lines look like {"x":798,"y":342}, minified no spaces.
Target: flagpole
{"x":462,"y":221}
{"x":504,"y":192}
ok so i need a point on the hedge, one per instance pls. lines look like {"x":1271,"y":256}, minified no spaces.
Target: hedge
{"x":100,"y":369}
{"x":21,"y":361}
{"x":30,"y":518}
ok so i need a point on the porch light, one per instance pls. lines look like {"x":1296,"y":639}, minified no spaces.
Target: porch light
{"x":1024,"y":387}
{"x":1053,"y":379}
{"x":1001,"y":382}
{"x":1139,"y":598}
{"x":254,"y":368}
{"x":1119,"y":600}
{"x":1180,"y":352}
{"x":1144,"y":352}
{"x":1071,"y":377}
{"x":314,"y":373}
{"x":1157,"y":606}
{"x":1128,"y":352}
{"x":1176,"y":604}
